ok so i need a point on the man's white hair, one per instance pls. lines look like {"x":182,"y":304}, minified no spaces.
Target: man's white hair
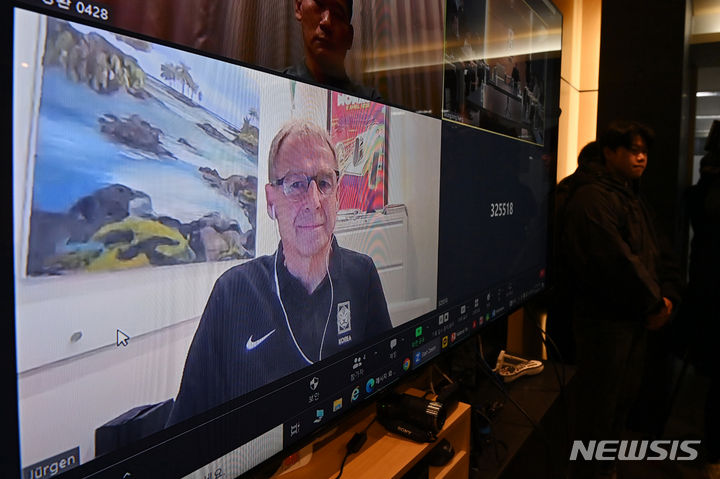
{"x":297,"y":128}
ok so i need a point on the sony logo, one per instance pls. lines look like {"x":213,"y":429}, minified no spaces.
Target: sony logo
{"x":405,"y":430}
{"x":625,"y":450}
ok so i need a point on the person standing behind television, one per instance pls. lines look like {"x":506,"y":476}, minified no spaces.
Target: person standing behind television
{"x":327,"y":37}
{"x":622,"y":285}
{"x":279,"y":313}
{"x":701,"y":309}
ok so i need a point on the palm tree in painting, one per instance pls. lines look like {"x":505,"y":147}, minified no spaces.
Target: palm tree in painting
{"x":179,"y":73}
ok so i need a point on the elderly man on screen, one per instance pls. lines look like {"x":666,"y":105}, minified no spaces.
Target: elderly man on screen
{"x":306,"y":302}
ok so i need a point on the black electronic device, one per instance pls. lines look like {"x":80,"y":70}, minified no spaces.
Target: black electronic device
{"x":416,"y":418}
{"x":408,"y":430}
{"x":138,"y":179}
{"x":448,"y":394}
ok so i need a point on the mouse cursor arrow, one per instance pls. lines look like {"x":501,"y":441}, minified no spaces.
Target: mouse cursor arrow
{"x":122,"y":338}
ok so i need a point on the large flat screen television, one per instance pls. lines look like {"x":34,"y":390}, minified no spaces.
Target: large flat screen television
{"x":214,"y":257}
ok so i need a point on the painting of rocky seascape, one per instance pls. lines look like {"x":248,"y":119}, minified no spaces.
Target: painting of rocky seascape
{"x":144,"y":156}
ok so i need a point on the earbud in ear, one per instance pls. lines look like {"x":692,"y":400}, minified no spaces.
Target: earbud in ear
{"x":272,"y":213}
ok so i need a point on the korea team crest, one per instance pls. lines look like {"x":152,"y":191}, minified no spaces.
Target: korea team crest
{"x":343,"y":318}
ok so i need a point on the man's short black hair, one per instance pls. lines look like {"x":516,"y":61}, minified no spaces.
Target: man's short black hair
{"x":622,"y":133}
{"x":590,"y":153}
{"x":349,"y":7}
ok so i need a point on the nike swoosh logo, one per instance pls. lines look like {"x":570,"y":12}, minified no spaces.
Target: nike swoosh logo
{"x":254,"y":344}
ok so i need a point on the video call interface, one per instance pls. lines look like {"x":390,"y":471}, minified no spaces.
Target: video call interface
{"x":217,"y":255}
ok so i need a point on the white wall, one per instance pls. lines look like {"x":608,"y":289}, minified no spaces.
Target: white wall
{"x":414,"y":180}
{"x":62,"y":403}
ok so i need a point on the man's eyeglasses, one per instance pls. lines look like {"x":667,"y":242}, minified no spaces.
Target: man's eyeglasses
{"x":636,"y":150}
{"x":295,"y":185}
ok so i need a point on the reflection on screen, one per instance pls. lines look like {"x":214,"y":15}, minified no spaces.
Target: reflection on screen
{"x":496,"y":65}
{"x":395,"y":55}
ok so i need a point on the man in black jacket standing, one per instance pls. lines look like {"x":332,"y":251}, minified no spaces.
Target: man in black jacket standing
{"x":611,"y":256}
{"x":701,"y":308}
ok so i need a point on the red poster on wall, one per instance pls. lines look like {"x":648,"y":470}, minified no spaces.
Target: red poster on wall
{"x":358,"y":131}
